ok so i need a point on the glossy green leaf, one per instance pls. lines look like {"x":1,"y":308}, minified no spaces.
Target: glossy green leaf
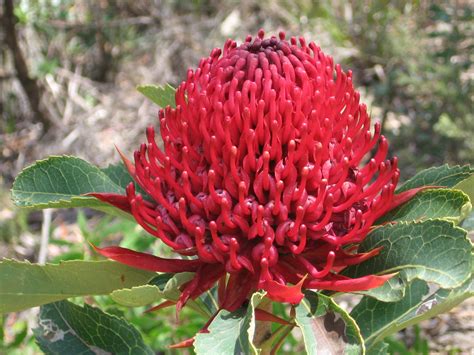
{"x":210,"y":300}
{"x":61,"y":182}
{"x":378,"y":320}
{"x":162,"y":279}
{"x":378,"y":349}
{"x":434,"y":251}
{"x":137,"y":296}
{"x":119,"y":175}
{"x":467,"y":186}
{"x":326,"y":327}
{"x":169,"y":287}
{"x":25,"y":285}
{"x":374,"y":316}
{"x":468,"y":223}
{"x":391,"y":291}
{"x":160,"y":95}
{"x":444,"y":176}
{"x":66,"y":328}
{"x":230,"y":333}
{"x":447,"y":204}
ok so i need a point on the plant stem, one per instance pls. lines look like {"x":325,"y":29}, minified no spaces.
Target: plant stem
{"x":43,"y":252}
{"x":277,"y":338}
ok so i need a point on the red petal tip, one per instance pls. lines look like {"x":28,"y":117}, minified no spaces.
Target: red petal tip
{"x":282,"y":293}
{"x":128,"y":164}
{"x":146,"y":261}
{"x":160,"y":306}
{"x":264,"y":316}
{"x":116,"y":200}
{"x":344,"y":284}
{"x":184,"y":344}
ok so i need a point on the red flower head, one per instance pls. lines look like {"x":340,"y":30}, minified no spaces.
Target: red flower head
{"x":264,"y":175}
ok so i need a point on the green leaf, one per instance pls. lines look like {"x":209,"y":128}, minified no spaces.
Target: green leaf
{"x":61,"y":182}
{"x":161,"y":280}
{"x":449,"y":204}
{"x":468,"y":223}
{"x":391,"y":291}
{"x":171,"y":289}
{"x":161,"y":95}
{"x":209,"y":299}
{"x":378,"y":349}
{"x":444,"y":176}
{"x":374,"y":316}
{"x":326,"y":327}
{"x":169,"y":286}
{"x":230,"y":333}
{"x":378,"y":320}
{"x":137,"y":296}
{"x":434,"y":251}
{"x":119,"y":174}
{"x":65,"y":328}
{"x":467,"y":186}
{"x":26,"y":285}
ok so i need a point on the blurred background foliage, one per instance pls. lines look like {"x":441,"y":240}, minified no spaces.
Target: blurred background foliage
{"x":68,"y":71}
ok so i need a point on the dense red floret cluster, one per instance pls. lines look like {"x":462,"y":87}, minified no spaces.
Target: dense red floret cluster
{"x":270,"y":174}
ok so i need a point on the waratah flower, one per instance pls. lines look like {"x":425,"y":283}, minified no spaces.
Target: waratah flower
{"x":270,"y":175}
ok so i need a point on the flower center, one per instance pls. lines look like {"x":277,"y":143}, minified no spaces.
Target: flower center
{"x":266,"y":45}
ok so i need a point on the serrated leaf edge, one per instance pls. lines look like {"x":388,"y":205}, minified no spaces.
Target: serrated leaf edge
{"x":425,"y":297}
{"x":132,"y":289}
{"x":464,"y":210}
{"x":453,"y":225}
{"x":104,"y":207}
{"x":85,"y":305}
{"x":471,"y":171}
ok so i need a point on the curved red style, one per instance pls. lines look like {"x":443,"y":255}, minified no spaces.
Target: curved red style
{"x":269,"y":173}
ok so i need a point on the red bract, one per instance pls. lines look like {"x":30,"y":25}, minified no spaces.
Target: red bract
{"x":269,"y":173}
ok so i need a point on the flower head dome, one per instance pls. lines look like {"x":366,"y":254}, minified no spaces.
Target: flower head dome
{"x":270,"y":174}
